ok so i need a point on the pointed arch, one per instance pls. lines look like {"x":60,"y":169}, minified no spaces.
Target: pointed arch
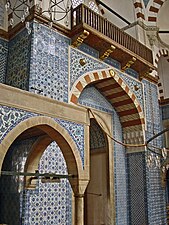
{"x":162,"y":52}
{"x":139,"y":9}
{"x":154,"y":9}
{"x":117,"y":92}
{"x":55,"y":132}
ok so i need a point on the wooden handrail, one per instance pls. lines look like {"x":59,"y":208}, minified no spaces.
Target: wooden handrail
{"x":82,"y":14}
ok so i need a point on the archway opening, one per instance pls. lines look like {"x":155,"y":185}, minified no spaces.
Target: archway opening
{"x":97,"y":193}
{"x":163,"y":67}
{"x":45,"y":149}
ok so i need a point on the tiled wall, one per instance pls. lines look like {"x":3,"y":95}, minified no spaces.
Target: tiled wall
{"x":97,"y":137}
{"x":137,"y":189}
{"x":50,"y":203}
{"x":77,"y":70}
{"x":11,"y":117}
{"x":76,"y":131}
{"x":92,"y":64}
{"x":11,"y":186}
{"x":19,"y":60}
{"x":146,"y":2}
{"x":165,"y":112}
{"x":145,"y":183}
{"x":40,"y":63}
{"x":132,"y":73}
{"x":34,"y":210}
{"x":120,"y":174}
{"x":92,"y":52}
{"x":155,"y":192}
{"x":49,"y":63}
{"x":92,"y":98}
{"x":3,"y":59}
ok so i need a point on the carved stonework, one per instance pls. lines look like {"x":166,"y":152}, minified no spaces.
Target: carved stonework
{"x":134,"y":138}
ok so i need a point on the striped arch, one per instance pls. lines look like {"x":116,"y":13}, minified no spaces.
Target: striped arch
{"x":164,"y":53}
{"x":154,"y":9}
{"x":116,"y":92}
{"x":139,"y":9}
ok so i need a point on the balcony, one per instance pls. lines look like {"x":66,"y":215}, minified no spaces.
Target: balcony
{"x":103,"y":34}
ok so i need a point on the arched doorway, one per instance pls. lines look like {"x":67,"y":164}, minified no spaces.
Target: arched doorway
{"x":97,"y":192}
{"x":36,"y":144}
{"x":127,"y":125}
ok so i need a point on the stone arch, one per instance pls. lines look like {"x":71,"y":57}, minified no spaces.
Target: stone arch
{"x":117,"y":92}
{"x":161,"y":52}
{"x":139,"y":9}
{"x":54,"y":132}
{"x":165,"y":54}
{"x":154,"y":9}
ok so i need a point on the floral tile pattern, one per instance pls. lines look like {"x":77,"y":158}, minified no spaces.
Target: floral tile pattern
{"x":49,"y":63}
{"x":3,"y":59}
{"x":76,"y":69}
{"x":50,"y":203}
{"x":11,"y":117}
{"x":92,"y":98}
{"x":19,"y":60}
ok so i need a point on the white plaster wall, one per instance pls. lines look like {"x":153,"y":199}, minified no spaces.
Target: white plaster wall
{"x":163,"y":72}
{"x":122,"y":7}
{"x":3,"y":16}
{"x":163,"y":21}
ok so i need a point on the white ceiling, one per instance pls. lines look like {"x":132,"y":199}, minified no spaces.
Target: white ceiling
{"x":163,"y":21}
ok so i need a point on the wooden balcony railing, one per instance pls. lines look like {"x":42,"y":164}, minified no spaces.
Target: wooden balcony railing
{"x":83,"y":15}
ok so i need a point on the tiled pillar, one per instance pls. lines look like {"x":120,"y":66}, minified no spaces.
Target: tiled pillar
{"x":79,"y":209}
{"x":137,"y":188}
{"x":136,"y":169}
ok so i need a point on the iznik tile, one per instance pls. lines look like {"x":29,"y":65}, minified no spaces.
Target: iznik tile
{"x":137,"y":188}
{"x":3,"y":59}
{"x":50,"y":203}
{"x":77,"y":70}
{"x":76,"y":131}
{"x":49,"y":63}
{"x":92,"y":98}
{"x":11,"y":117}
{"x":135,"y":86}
{"x":155,"y":193}
{"x":19,"y":60}
{"x":88,"y":50}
